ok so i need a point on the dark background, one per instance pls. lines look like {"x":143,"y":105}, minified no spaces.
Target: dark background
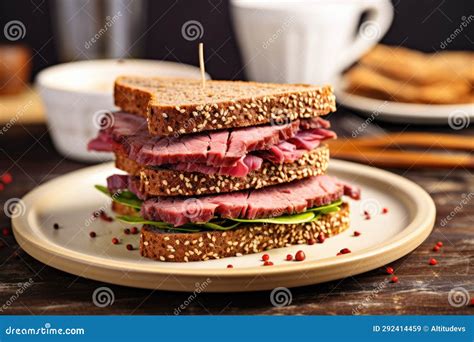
{"x":420,"y":24}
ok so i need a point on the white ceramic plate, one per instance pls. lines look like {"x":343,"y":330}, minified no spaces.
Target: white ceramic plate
{"x":458,"y":115}
{"x":70,"y":199}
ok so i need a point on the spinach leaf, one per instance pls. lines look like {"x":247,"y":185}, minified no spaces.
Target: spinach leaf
{"x":290,"y":219}
{"x":124,"y":197}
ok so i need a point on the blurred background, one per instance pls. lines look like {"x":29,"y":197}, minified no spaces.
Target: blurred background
{"x":419,"y":25}
{"x":396,"y":65}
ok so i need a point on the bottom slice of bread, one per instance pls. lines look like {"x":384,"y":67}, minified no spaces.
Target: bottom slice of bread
{"x":250,"y":238}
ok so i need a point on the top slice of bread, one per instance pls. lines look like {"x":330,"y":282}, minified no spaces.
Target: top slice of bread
{"x":181,"y":106}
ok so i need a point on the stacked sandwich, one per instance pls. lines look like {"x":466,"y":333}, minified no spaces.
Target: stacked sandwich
{"x":225,"y":169}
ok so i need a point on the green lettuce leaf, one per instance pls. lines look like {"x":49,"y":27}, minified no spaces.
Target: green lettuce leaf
{"x":124,"y":197}
{"x":290,"y":219}
{"x":329,"y":208}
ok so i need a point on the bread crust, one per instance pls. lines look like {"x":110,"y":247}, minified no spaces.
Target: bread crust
{"x":138,"y":96}
{"x":165,"y":182}
{"x":251,"y":238}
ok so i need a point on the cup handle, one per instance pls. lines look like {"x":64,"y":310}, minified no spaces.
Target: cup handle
{"x":377,"y":23}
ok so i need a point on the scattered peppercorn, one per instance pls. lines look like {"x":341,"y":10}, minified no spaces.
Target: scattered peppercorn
{"x":92,"y":234}
{"x":7,"y":178}
{"x":130,"y":247}
{"x":356,"y":233}
{"x":435,"y":248}
{"x":115,"y":241}
{"x":56,"y":226}
{"x":126,"y":231}
{"x":367,"y":217}
{"x":300,"y":256}
{"x":389,"y":270}
{"x":230,"y":266}
{"x":268,"y":263}
{"x":433,"y":261}
{"x":265,"y":257}
{"x":311,"y":241}
{"x":439,"y":244}
{"x":394,"y":279}
{"x":384,"y":210}
{"x":321,"y":237}
{"x":134,"y":230}
{"x":289,"y":257}
{"x":345,"y":251}
{"x":366,"y":213}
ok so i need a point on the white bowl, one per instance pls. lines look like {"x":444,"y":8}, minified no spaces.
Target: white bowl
{"x":74,"y":92}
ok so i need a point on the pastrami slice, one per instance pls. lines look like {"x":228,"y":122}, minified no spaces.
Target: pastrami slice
{"x":283,"y":199}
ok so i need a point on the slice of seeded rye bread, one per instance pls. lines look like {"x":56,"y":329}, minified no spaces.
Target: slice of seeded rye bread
{"x":250,"y":238}
{"x":154,"y":181}
{"x":181,"y":106}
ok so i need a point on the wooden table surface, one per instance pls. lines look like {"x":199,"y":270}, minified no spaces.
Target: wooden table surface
{"x":27,"y":152}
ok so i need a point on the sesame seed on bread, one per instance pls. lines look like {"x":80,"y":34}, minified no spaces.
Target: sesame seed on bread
{"x":182,"y":106}
{"x":154,"y":181}
{"x":247,"y":239}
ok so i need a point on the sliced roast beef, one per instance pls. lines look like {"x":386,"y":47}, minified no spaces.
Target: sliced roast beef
{"x":220,"y":149}
{"x":230,"y":152}
{"x":317,"y":122}
{"x":242,"y":168}
{"x":282,"y":199}
{"x":117,"y":182}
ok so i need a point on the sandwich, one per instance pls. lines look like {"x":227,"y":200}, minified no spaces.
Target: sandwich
{"x":224,"y":170}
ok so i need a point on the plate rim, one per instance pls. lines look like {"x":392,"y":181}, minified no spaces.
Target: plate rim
{"x":415,"y":232}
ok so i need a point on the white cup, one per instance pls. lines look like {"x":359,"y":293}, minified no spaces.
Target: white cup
{"x":304,"y":41}
{"x":77,"y":95}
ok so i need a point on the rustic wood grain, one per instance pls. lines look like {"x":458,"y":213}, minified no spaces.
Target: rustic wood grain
{"x":28,"y":154}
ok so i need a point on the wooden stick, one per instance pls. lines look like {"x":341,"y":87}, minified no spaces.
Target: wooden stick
{"x":404,"y":159}
{"x":446,"y":141}
{"x":201,"y":64}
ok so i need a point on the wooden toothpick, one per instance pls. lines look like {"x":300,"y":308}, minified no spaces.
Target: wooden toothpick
{"x":201,"y":64}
